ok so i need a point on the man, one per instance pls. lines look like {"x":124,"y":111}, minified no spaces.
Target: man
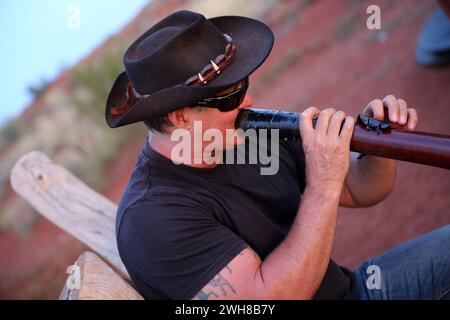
{"x":202,"y":230}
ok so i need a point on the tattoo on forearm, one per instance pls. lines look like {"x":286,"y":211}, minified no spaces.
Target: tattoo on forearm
{"x":204,"y":296}
{"x":218,"y":282}
{"x":221,"y":283}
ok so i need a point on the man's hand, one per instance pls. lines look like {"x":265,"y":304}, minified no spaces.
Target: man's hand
{"x":371,"y":179}
{"x":326,"y":148}
{"x":398,"y":111}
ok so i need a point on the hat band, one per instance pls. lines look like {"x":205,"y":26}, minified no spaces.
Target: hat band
{"x":209,"y":72}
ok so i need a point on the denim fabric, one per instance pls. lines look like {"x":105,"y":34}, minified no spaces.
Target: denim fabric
{"x":416,"y":269}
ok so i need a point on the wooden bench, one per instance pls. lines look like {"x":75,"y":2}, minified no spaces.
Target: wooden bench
{"x":84,"y":213}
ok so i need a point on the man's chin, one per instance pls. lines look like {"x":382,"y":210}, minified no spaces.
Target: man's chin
{"x":232,"y":141}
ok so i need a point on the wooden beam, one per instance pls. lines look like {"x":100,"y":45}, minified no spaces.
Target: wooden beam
{"x":69,"y":203}
{"x":97,"y":281}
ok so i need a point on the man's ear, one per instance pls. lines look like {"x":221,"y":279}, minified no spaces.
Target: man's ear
{"x":180,"y":118}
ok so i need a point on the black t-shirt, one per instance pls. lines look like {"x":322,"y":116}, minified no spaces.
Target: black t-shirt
{"x":178,"y":226}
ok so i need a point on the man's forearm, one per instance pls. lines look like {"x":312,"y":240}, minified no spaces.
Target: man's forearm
{"x":295,"y":269}
{"x":370,"y":179}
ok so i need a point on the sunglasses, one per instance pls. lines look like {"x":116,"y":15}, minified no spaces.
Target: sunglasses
{"x":227,"y":102}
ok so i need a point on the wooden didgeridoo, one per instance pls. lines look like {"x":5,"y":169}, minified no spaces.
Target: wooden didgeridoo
{"x":378,"y":138}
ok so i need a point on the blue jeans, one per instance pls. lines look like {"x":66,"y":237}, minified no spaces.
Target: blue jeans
{"x":416,"y":269}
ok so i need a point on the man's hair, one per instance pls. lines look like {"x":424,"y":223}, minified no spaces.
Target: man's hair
{"x":158,"y":124}
{"x":161,"y":123}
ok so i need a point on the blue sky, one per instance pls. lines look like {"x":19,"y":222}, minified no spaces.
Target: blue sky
{"x":42,"y":37}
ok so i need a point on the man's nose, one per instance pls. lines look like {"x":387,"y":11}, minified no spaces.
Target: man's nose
{"x":247,"y":102}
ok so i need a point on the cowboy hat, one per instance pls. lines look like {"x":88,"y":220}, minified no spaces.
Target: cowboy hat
{"x":183,"y":59}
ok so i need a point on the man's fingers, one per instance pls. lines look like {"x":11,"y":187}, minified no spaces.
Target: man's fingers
{"x":336,"y":123}
{"x":305,"y":122}
{"x":412,"y":118}
{"x":403,"y":112}
{"x":324,"y":120}
{"x":391,"y":103}
{"x":347,"y":129}
{"x":375,"y":109}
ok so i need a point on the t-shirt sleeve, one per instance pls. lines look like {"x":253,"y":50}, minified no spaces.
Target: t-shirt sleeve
{"x":174,"y":245}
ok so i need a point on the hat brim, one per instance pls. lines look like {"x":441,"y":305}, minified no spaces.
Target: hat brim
{"x":253,"y":40}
